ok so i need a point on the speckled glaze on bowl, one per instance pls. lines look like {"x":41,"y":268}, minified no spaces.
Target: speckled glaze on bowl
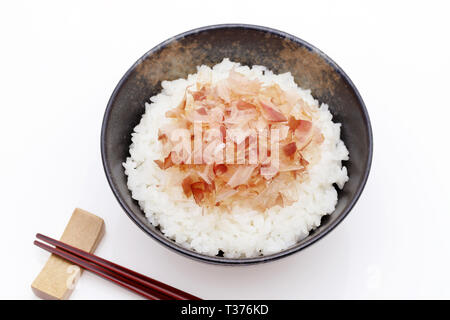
{"x":249,"y":45}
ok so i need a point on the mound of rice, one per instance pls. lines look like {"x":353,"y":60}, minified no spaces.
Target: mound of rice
{"x":242,"y":232}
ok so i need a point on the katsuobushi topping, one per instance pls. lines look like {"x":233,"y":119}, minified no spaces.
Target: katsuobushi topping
{"x":239,"y":140}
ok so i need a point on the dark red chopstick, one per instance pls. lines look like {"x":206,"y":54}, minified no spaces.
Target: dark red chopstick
{"x":170,"y":292}
{"x":136,"y":282}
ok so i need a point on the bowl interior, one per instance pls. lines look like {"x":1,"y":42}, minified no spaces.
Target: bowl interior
{"x":249,"y":45}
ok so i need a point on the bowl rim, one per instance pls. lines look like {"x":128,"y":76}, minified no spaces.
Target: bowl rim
{"x":222,"y":260}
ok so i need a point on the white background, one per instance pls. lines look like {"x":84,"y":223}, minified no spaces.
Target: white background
{"x":61,"y":61}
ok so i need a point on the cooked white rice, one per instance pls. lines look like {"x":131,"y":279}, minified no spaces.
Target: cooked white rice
{"x":241,"y":233}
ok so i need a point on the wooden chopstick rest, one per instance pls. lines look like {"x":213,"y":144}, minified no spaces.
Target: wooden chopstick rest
{"x":58,"y":277}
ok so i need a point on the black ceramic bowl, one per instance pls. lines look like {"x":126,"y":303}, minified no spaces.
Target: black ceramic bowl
{"x":249,"y":45}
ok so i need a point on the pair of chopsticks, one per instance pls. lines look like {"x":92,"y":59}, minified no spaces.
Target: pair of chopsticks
{"x":136,"y":282}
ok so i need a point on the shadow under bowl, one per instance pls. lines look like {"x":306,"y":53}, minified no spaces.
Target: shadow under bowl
{"x":249,"y":45}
